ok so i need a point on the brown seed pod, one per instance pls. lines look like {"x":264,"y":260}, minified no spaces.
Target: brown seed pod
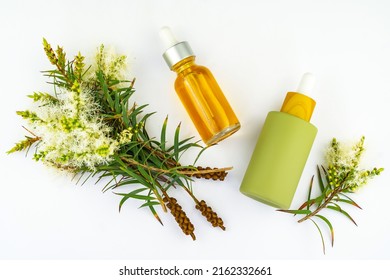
{"x":210,"y":215}
{"x":207,"y":173}
{"x":180,"y":216}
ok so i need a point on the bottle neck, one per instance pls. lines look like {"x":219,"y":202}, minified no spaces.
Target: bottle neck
{"x":183,"y":64}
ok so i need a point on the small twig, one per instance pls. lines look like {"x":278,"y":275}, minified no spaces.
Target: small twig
{"x":189,"y":173}
{"x":32,"y":133}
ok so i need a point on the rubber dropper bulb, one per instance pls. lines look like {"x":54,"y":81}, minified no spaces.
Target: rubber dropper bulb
{"x":167,"y":37}
{"x":307,"y":84}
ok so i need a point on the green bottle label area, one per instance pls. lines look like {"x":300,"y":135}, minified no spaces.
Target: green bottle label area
{"x":278,"y":160}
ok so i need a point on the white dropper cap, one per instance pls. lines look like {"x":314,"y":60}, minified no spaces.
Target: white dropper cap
{"x":167,"y":37}
{"x":307,"y":84}
{"x":176,"y":50}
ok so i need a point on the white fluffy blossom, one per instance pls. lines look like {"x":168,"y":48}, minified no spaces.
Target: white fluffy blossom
{"x":112,"y":65}
{"x":72,"y":132}
{"x":343,"y":166}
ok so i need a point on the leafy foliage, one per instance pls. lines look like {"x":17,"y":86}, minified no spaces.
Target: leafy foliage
{"x":336,"y":182}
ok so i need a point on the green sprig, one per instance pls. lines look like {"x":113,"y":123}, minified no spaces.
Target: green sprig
{"x":42,"y":97}
{"x":341,"y":177}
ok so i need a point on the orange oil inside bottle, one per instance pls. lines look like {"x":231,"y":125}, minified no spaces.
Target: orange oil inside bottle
{"x":204,"y":101}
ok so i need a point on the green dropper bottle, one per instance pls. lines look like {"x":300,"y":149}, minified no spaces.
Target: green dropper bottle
{"x":282,"y":149}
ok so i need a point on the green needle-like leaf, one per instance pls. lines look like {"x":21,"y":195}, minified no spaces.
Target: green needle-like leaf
{"x":325,"y":175}
{"x":338,"y":209}
{"x":133,"y":174}
{"x":104,"y":86}
{"x":149,"y":203}
{"x":200,"y":153}
{"x":154,"y":212}
{"x":322,"y":237}
{"x":134,"y":194}
{"x":125,"y":117}
{"x":300,"y":212}
{"x":329,"y":225}
{"x":176,"y":143}
{"x":163,"y":138}
{"x":320,"y":182}
{"x":349,"y":201}
{"x":309,"y":195}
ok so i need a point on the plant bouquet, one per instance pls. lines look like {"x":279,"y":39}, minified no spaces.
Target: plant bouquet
{"x":87,"y":127}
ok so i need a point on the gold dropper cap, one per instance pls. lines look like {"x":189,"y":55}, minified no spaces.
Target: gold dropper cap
{"x":299,"y":104}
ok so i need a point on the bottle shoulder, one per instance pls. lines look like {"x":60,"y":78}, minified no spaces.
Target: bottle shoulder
{"x":201,"y":68}
{"x":290,"y":120}
{"x":195,"y":69}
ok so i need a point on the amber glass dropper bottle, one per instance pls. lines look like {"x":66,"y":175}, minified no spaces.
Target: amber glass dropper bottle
{"x":199,"y":92}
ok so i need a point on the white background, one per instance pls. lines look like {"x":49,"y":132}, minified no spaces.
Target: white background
{"x":258,"y":51}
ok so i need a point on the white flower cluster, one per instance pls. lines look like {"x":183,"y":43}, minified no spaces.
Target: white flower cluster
{"x":344,"y":156}
{"x":72,"y":132}
{"x":343,"y":166}
{"x":112,"y":65}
